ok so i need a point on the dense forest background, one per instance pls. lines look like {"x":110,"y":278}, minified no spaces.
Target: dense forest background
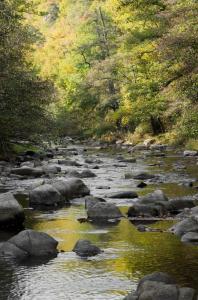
{"x":108,"y":69}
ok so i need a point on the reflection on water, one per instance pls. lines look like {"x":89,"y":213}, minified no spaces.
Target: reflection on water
{"x":128,"y":254}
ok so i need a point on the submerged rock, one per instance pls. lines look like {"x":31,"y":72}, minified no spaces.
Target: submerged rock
{"x":11,"y":212}
{"x":85,"y":248}
{"x":29,"y":243}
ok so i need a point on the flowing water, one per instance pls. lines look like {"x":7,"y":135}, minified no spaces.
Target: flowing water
{"x":128,"y":254}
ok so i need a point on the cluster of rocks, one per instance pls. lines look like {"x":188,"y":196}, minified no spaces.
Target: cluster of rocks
{"x":157,"y":204}
{"x":161,"y":286}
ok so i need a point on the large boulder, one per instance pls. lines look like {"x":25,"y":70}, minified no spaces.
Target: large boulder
{"x":91,"y":201}
{"x":178,"y":204}
{"x":71,"y":188}
{"x":160,"y":286}
{"x":29,"y":243}
{"x":190,"y":237}
{"x":103,"y":211}
{"x":28,"y":171}
{"x":123,"y":195}
{"x":146,"y":211}
{"x":85,"y":248}
{"x":187,"y":225}
{"x":45,"y":196}
{"x":51,"y":169}
{"x":156,"y":197}
{"x":11,"y":212}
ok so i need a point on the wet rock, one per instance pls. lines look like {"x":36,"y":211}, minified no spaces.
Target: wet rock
{"x":51,"y":169}
{"x":85,"y":248}
{"x":29,"y":243}
{"x":144,"y":176}
{"x":157,"y":277}
{"x":190,"y":153}
{"x":71,"y":188}
{"x":141,"y":185}
{"x":157,"y":291}
{"x":128,"y":160}
{"x":103,"y":211}
{"x":11,"y":212}
{"x":91,"y":201}
{"x":187,"y":225}
{"x":103,"y":187}
{"x":123,"y":195}
{"x":45,"y":196}
{"x":176,"y":205}
{"x":146,"y":211}
{"x":72,"y":173}
{"x":27,"y":171}
{"x":157,"y":197}
{"x":66,"y":162}
{"x":187,"y":294}
{"x":87,"y":174}
{"x":190,"y":237}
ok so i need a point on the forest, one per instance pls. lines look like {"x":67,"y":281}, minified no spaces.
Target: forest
{"x":106,"y":69}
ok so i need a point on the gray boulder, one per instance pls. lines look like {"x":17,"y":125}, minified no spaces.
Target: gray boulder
{"x":28,"y":171}
{"x":161,"y":286}
{"x":85,"y":248}
{"x":157,"y":197}
{"x":66,"y":162}
{"x":176,"y":205}
{"x":29,"y":243}
{"x":156,"y":290}
{"x":11,"y":212}
{"x":187,"y":225}
{"x":71,"y":188}
{"x":187,"y":294}
{"x":51,"y":169}
{"x":103,"y":211}
{"x":145,"y":211}
{"x":45,"y":195}
{"x":87,"y":174}
{"x":91,"y":201}
{"x":123,"y":195}
{"x":190,"y":237}
{"x":144,"y":176}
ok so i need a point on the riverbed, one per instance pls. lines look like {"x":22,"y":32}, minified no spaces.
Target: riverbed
{"x":128,"y":254}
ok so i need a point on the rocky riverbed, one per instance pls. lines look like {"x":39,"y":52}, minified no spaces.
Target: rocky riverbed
{"x":116,"y":213}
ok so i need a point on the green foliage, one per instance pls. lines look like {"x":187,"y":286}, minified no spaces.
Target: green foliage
{"x":121,"y":64}
{"x":23,"y":95}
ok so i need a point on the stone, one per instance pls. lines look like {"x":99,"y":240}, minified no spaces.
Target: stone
{"x":145,"y":211}
{"x":85,"y":248}
{"x":103,"y":211}
{"x":190,"y":237}
{"x":87,"y":174}
{"x":11,"y":212}
{"x":28,"y":171}
{"x":71,"y":188}
{"x":156,"y":197}
{"x":144,"y":176}
{"x":123,"y":195}
{"x":44,"y":196}
{"x":187,"y":225}
{"x":91,"y":201}
{"x":29,"y":243}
